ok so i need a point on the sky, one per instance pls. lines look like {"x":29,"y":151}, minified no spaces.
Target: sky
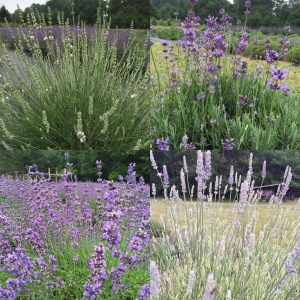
{"x":11,"y":5}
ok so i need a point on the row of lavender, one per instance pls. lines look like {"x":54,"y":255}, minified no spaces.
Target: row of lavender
{"x":74,"y":240}
{"x":56,"y":35}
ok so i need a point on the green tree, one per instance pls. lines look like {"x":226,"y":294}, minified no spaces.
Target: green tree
{"x":4,"y":15}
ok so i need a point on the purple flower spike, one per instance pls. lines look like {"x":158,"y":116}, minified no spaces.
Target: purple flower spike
{"x":145,"y":292}
{"x":163,"y":144}
{"x":272,"y":55}
{"x":248,"y":4}
{"x":229,"y":144}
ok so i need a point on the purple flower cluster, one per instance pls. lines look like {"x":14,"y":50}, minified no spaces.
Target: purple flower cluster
{"x":275,"y":81}
{"x":190,"y":33}
{"x":163,"y":144}
{"x":229,"y":144}
{"x":272,"y":56}
{"x":41,"y":213}
{"x":93,"y":288}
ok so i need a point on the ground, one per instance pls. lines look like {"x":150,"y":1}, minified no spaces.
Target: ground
{"x":160,"y":210}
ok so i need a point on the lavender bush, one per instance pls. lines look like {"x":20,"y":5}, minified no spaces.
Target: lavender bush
{"x":81,"y":88}
{"x":66,"y":240}
{"x":209,"y":249}
{"x":210,"y":93}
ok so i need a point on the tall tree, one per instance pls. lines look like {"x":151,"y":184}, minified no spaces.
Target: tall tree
{"x":4,"y":14}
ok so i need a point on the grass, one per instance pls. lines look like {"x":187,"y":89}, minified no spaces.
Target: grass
{"x":160,"y":210}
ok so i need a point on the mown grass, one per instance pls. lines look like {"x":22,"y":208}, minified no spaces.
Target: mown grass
{"x":223,"y":211}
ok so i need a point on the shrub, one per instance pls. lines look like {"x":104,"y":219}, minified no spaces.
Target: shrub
{"x":207,"y":91}
{"x":72,"y":240}
{"x":85,"y":89}
{"x":225,"y":251}
{"x":168,"y":33}
{"x":294,"y":55}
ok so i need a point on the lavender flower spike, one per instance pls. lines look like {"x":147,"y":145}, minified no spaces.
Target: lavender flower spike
{"x":210,"y":290}
{"x":264,"y":170}
{"x":155,"y":280}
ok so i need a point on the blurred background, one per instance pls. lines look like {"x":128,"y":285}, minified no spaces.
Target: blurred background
{"x":276,"y":163}
{"x":84,"y":163}
{"x":121,"y":12}
{"x":264,"y":13}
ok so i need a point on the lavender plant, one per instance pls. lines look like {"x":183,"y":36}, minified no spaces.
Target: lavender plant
{"x":211,"y":93}
{"x":212,"y":249}
{"x":80,"y":88}
{"x":71,"y":240}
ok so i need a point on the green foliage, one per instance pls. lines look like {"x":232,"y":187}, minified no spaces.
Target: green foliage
{"x":168,"y":33}
{"x":157,"y":229}
{"x":4,"y":15}
{"x":263,"y":13}
{"x":129,"y":11}
{"x":116,"y":171}
{"x":84,"y":161}
{"x":219,"y":116}
{"x":89,"y":93}
{"x":223,"y":160}
{"x":122,"y":13}
{"x":294,"y":55}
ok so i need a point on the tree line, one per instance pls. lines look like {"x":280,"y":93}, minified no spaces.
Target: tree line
{"x":123,"y":13}
{"x":276,"y":161}
{"x":262,"y":12}
{"x":84,"y":163}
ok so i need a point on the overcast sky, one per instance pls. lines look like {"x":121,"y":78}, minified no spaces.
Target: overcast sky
{"x":11,"y":5}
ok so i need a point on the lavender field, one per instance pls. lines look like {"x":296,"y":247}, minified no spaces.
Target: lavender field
{"x":72,"y":240}
{"x":95,"y":75}
{"x":150,"y":150}
{"x":10,"y":35}
{"x":218,"y":85}
{"x":221,"y":238}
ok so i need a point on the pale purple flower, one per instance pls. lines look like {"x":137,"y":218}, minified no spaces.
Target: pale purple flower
{"x":247,"y":4}
{"x":193,"y":2}
{"x":272,"y":55}
{"x":155,"y":279}
{"x":165,"y":176}
{"x":145,"y":292}
{"x":287,"y":29}
{"x":210,"y":289}
{"x":163,"y":144}
{"x":229,"y":144}
{"x":191,"y":282}
{"x":230,"y":179}
{"x":264,"y":170}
